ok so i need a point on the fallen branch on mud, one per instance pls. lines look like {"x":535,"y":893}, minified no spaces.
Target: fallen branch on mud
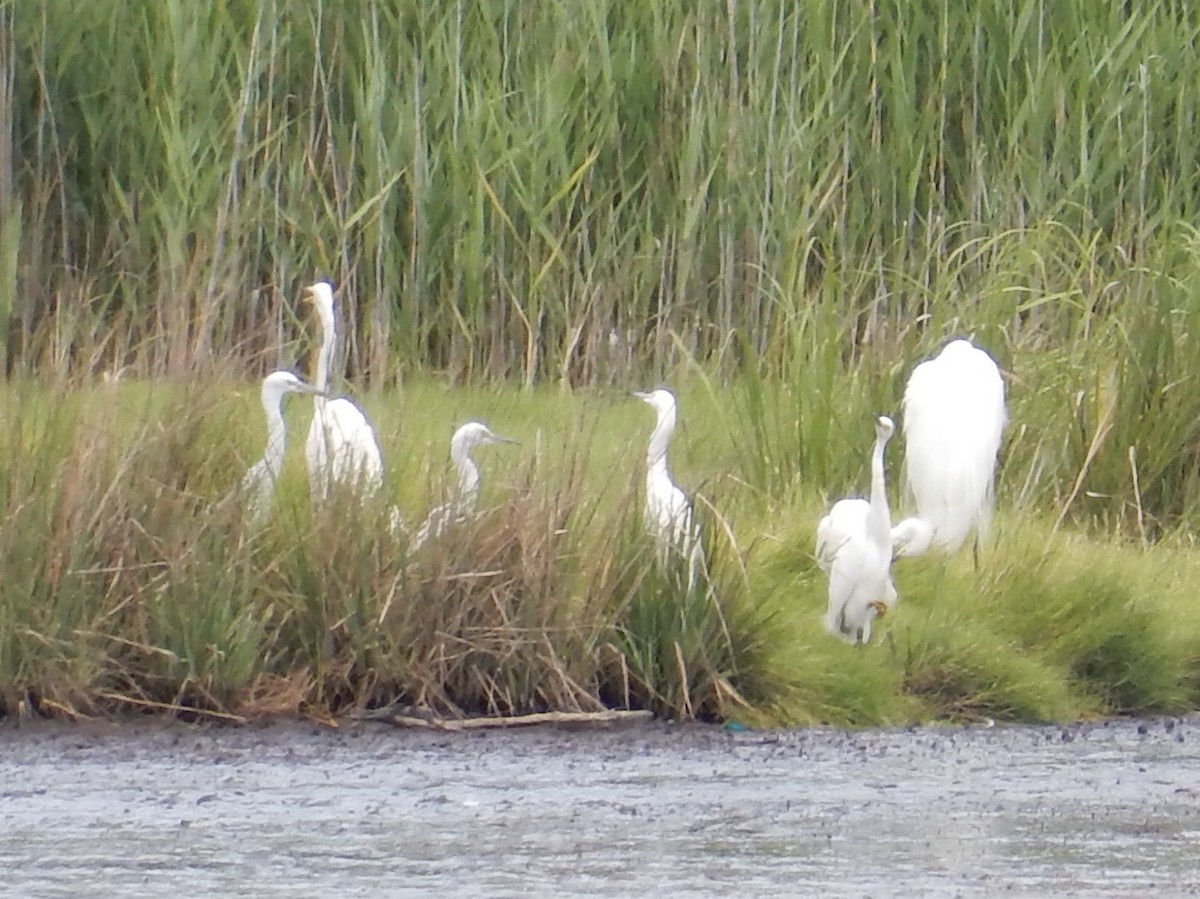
{"x":173,"y":708}
{"x":406,"y":716}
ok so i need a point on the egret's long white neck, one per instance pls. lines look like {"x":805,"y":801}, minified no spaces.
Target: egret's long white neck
{"x":468,"y":474}
{"x":881,"y":518}
{"x":660,"y":439}
{"x":328,"y":343}
{"x":276,"y":433}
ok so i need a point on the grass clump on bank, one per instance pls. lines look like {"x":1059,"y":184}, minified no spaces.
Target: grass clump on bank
{"x":1047,"y":628}
{"x":145,"y":588}
{"x":131,"y":582}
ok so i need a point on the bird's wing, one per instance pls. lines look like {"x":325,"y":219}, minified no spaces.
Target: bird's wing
{"x":845,"y":524}
{"x":258,"y":487}
{"x":854,"y":581}
{"x":352,"y":445}
{"x":668,"y":513}
{"x":954,"y":416}
{"x":858,"y":577}
{"x":679,"y":510}
{"x":439,"y":520}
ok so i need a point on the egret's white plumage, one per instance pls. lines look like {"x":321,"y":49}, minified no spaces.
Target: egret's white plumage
{"x":911,"y":537}
{"x":854,"y":546}
{"x":954,"y":416}
{"x":258,"y":483}
{"x":668,"y":513}
{"x":341,"y":447}
{"x":466,"y":494}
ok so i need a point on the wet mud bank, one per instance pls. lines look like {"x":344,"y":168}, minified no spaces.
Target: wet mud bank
{"x":1107,"y":809}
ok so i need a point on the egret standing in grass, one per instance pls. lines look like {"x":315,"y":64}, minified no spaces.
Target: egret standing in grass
{"x":954,"y":416}
{"x":341,"y":447}
{"x":466,"y":495}
{"x":258,"y":483}
{"x":669,"y":517}
{"x":854,"y":546}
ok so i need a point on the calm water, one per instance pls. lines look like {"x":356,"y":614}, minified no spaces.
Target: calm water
{"x":291,"y":810}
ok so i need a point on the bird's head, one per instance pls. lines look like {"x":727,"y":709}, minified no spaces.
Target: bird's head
{"x":884,"y":428}
{"x":661,"y":400}
{"x":278,"y":383}
{"x":911,"y":537}
{"x":959,"y":348}
{"x":473,"y":434}
{"x":322,"y":296}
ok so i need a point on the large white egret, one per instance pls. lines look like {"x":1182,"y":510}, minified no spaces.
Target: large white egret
{"x":341,"y":447}
{"x":258,"y":483}
{"x":854,"y":546}
{"x":669,"y":517}
{"x":466,"y":495}
{"x":954,"y":416}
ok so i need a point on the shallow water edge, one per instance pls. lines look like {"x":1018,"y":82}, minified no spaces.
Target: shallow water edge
{"x":1104,"y":809}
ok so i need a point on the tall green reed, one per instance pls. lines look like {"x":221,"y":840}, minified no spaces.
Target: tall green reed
{"x":501,"y":188}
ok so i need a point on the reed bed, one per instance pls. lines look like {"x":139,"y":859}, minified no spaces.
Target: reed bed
{"x":505,"y":189}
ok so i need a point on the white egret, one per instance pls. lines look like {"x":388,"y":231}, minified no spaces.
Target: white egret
{"x":466,"y":495}
{"x":258,"y":483}
{"x":854,"y":546}
{"x":954,"y":416}
{"x":341,"y":447}
{"x":668,"y":513}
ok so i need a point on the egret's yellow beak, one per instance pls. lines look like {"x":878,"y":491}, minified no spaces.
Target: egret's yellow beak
{"x":879,"y":606}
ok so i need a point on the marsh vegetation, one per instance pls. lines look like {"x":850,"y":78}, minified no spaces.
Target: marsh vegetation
{"x":531,"y":210}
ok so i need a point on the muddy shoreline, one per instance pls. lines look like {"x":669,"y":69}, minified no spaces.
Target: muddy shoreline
{"x":294,"y":808}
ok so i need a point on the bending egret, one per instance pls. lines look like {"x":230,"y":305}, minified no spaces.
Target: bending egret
{"x":466,"y":496}
{"x":259,"y":482}
{"x":954,"y":416}
{"x":854,"y":546}
{"x":341,"y":446}
{"x":669,"y":517}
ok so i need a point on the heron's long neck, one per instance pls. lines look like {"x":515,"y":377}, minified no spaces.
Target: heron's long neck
{"x":325,"y":354}
{"x":468,"y":476}
{"x":660,"y":439}
{"x":276,"y":435}
{"x":881,"y":518}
